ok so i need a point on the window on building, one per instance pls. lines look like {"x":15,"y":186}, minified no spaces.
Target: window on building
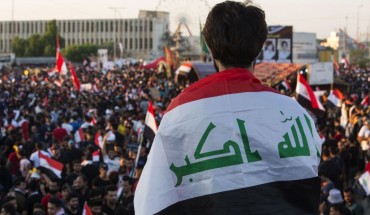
{"x":126,"y":26}
{"x":150,"y":25}
{"x":18,"y":27}
{"x":111,"y":26}
{"x":101,"y":26}
{"x":150,"y":43}
{"x":141,"y":26}
{"x":141,"y":43}
{"x":82,"y":27}
{"x":131,"y":43}
{"x":87,"y":26}
{"x":136,"y":43}
{"x":146,"y":43}
{"x":130,"y":25}
{"x":125,"y":45}
{"x":69,"y":27}
{"x":106,"y":26}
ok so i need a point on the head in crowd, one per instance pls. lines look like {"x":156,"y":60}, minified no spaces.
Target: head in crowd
{"x":54,"y":205}
{"x":111,"y":194}
{"x":235,"y":36}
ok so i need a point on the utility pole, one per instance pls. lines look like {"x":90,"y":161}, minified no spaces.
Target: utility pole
{"x":358,"y":22}
{"x":116,"y":10}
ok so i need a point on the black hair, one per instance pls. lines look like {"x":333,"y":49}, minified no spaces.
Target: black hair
{"x":235,"y":33}
{"x":56,"y":201}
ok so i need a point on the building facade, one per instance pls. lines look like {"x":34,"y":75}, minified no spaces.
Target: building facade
{"x":137,"y":38}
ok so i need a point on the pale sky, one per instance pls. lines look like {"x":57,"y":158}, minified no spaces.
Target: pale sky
{"x":315,"y":16}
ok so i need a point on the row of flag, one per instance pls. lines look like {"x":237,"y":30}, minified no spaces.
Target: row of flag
{"x":61,"y":67}
{"x":54,"y":168}
{"x":309,"y":99}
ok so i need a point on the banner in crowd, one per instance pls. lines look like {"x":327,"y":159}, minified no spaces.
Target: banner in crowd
{"x":321,"y":73}
{"x":278,"y":46}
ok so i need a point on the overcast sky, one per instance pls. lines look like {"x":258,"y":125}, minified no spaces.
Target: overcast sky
{"x":316,"y":16}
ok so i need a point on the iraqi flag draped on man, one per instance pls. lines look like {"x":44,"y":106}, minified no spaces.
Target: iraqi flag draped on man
{"x":230,"y":145}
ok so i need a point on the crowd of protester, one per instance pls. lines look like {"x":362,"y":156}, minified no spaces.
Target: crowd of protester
{"x":41,"y":113}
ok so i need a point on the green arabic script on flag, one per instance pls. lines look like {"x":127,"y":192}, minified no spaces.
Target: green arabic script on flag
{"x":233,"y":155}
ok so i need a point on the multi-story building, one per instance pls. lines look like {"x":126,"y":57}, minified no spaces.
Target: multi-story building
{"x":139,"y":37}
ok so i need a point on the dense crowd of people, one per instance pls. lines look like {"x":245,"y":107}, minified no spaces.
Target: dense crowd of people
{"x":96,"y":133}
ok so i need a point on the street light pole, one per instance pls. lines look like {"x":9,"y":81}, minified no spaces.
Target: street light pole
{"x":115,"y":10}
{"x":358,"y":22}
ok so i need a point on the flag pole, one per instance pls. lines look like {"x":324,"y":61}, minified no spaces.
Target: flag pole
{"x":141,"y":140}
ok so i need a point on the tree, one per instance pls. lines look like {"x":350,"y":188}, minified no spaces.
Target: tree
{"x":34,"y":46}
{"x":76,"y":53}
{"x":49,"y":39}
{"x":358,"y":57}
{"x":19,"y":46}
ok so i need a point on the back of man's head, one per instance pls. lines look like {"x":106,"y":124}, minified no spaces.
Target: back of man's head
{"x":235,"y":33}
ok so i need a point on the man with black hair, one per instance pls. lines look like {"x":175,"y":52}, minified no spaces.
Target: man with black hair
{"x":55,"y":207}
{"x":351,"y":203}
{"x":71,"y":206}
{"x":95,"y":206}
{"x":110,"y":200}
{"x":229,"y":144}
{"x":126,"y":197}
{"x":21,"y":195}
{"x":53,"y":187}
{"x":34,"y":195}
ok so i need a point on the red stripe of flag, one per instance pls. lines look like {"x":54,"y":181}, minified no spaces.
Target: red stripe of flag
{"x":75,"y":80}
{"x":53,"y":165}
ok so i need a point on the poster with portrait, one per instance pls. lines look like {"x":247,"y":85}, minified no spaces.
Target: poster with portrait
{"x":278,"y":45}
{"x":269,"y":52}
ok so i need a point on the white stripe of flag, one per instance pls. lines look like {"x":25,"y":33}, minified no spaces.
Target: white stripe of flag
{"x":53,"y":165}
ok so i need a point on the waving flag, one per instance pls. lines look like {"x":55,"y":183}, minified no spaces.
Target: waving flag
{"x":87,"y":210}
{"x":54,"y":166}
{"x":150,"y":125}
{"x":365,"y":102}
{"x":335,"y":97}
{"x":74,"y":77}
{"x":230,"y":145}
{"x":60,"y":66}
{"x":79,"y":135}
{"x":307,"y":98}
{"x":96,"y":156}
{"x":286,"y":85}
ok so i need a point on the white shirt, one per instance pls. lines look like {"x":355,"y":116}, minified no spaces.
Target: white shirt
{"x":113,"y":165}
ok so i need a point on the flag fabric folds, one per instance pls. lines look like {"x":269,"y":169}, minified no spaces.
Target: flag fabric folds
{"x":286,"y":85}
{"x":150,"y":124}
{"x":96,"y":156}
{"x":79,"y":135}
{"x":54,"y":166}
{"x":335,"y":97}
{"x":74,"y":77}
{"x":307,"y":98}
{"x":87,"y":210}
{"x":60,"y":66}
{"x":365,"y":102}
{"x":215,"y":153}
